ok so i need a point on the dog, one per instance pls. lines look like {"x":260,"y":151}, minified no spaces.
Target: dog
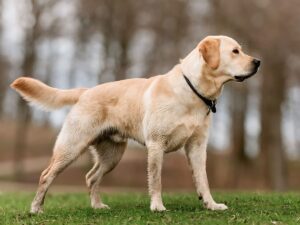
{"x":165,"y":113}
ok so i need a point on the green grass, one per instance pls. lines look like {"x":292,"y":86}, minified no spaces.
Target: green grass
{"x":244,"y":208}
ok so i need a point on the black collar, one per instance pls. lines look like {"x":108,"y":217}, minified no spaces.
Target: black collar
{"x":211,"y":104}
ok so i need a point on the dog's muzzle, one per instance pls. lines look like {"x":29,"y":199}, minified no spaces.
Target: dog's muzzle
{"x":256,"y":64}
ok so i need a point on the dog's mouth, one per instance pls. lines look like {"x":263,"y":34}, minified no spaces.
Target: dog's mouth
{"x":241,"y":78}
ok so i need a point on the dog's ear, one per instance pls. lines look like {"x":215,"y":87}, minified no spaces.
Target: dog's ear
{"x":210,"y":50}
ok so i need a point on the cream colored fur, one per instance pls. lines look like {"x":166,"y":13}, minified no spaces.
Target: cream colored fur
{"x":161,"y":112}
{"x":45,"y":97}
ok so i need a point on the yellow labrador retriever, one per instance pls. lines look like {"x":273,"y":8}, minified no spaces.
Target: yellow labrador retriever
{"x":165,"y":113}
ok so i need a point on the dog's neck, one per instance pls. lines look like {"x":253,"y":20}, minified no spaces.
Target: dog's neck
{"x":201,"y":76}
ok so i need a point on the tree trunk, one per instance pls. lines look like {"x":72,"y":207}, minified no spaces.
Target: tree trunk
{"x":23,"y":111}
{"x":272,"y":152}
{"x":24,"y":117}
{"x":238,"y":110}
{"x":3,"y":82}
{"x":123,"y":60}
{"x":3,"y":69}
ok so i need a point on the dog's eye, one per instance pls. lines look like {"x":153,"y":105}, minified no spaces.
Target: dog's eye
{"x":235,"y":51}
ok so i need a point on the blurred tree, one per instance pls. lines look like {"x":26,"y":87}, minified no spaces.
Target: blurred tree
{"x":238,"y":101}
{"x":3,"y":66}
{"x":124,"y":27}
{"x":257,"y":24}
{"x":239,"y":105}
{"x":116,"y":22}
{"x":169,"y":23}
{"x":32,"y":35}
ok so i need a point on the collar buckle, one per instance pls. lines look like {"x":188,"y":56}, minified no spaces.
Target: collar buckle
{"x":211,"y":104}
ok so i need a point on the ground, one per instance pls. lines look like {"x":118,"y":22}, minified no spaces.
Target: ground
{"x":244,"y":208}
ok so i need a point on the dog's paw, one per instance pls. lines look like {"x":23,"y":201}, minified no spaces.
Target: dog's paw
{"x":157,"y":207}
{"x":101,"y":206}
{"x":36,"y":210}
{"x":215,"y":206}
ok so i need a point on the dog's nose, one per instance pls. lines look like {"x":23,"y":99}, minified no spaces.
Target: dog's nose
{"x":256,"y":62}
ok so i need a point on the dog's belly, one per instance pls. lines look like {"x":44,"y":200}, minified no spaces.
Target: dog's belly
{"x":175,"y":144}
{"x":118,"y":138}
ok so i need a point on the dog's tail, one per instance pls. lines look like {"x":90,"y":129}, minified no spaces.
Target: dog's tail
{"x":43,"y":96}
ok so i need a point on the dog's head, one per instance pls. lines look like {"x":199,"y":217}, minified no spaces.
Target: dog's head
{"x":223,"y":56}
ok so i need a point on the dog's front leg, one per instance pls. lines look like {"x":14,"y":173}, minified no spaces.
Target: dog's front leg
{"x":155,"y":160}
{"x":196,"y":154}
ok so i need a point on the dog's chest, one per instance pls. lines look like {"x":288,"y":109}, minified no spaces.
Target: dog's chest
{"x":183,"y":130}
{"x":173,"y":133}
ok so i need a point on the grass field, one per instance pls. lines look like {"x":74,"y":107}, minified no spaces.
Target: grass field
{"x":244,"y":208}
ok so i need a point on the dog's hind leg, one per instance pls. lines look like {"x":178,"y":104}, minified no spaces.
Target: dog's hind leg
{"x":73,"y":139}
{"x":107,"y":155}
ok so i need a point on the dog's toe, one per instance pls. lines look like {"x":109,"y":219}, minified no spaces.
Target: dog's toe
{"x":101,"y":206}
{"x":216,"y":206}
{"x":36,"y":210}
{"x":157,"y":208}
